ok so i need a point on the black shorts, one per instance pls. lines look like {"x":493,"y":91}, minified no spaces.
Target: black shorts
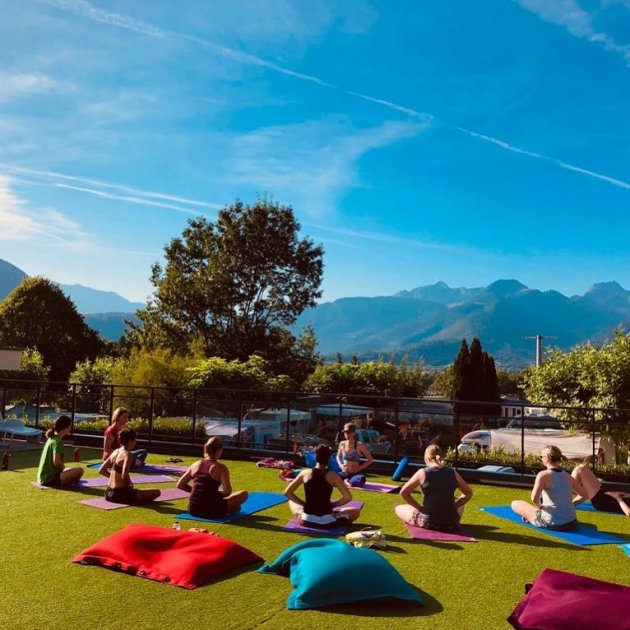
{"x":122,"y":495}
{"x":55,"y":481}
{"x":601,"y":501}
{"x":217,"y":510}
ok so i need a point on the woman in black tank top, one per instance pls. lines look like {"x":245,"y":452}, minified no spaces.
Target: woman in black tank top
{"x":316,"y":510}
{"x":440,"y":510}
{"x":603,"y":497}
{"x":211,"y":493}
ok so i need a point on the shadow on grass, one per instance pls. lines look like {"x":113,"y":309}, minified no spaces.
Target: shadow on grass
{"x":389,"y":607}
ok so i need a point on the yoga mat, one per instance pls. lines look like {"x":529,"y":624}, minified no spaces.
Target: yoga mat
{"x":164,"y":469}
{"x":400,"y":469}
{"x":169,"y":494}
{"x":626,"y":548}
{"x":371,"y":486}
{"x":419,"y":533}
{"x":588,"y":507}
{"x":581,"y":535}
{"x":256,"y":501}
{"x":294,"y":525}
{"x":100,"y":482}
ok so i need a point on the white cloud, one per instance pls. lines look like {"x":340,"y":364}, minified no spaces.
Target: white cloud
{"x":578,"y":22}
{"x":46,"y":227}
{"x":20,"y":84}
{"x":313,"y":162}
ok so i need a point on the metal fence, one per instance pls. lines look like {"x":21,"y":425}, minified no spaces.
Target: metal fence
{"x":471,"y":434}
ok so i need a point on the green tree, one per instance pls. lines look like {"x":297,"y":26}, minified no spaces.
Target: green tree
{"x":37,"y":314}
{"x":509,"y":383}
{"x":232,"y":288}
{"x":444,"y":383}
{"x":88,"y":379}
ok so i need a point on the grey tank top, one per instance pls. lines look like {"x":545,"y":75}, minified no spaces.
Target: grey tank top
{"x":439,"y":502}
{"x":557,"y":499}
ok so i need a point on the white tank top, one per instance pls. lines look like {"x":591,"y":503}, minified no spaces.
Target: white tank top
{"x":557,"y":499}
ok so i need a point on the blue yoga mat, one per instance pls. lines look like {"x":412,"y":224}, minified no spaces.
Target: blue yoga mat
{"x":626,"y":548}
{"x":588,"y":507}
{"x":256,"y":501}
{"x":581,"y":535}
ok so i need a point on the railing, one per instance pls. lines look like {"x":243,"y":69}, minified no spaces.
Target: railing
{"x":253,"y":422}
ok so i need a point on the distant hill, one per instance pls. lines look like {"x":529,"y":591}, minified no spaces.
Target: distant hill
{"x":430,"y":321}
{"x":105,"y":311}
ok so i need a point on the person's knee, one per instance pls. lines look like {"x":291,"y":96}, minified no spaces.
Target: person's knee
{"x":401,"y":511}
{"x":515,"y":505}
{"x":244,"y":495}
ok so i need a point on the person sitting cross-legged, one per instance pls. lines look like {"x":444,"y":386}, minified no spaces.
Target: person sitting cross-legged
{"x":316,"y":510}
{"x":52,"y":471}
{"x":438,"y":482}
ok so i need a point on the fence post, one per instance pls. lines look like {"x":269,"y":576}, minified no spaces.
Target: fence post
{"x":73,"y":404}
{"x":111,"y":403}
{"x":151,"y":412}
{"x":194,"y":418}
{"x":240,"y":424}
{"x":522,"y":440}
{"x":457,"y":431}
{"x":38,"y":403}
{"x":593,"y":438}
{"x":4,"y":400}
{"x":287,"y":445}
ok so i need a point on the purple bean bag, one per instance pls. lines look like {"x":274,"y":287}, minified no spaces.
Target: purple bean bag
{"x":565,"y":601}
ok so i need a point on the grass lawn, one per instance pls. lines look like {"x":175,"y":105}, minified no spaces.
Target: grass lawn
{"x":471,"y":585}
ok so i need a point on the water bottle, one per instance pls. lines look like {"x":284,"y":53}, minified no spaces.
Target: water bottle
{"x":6,"y":458}
{"x":77,"y":454}
{"x":176,"y":526}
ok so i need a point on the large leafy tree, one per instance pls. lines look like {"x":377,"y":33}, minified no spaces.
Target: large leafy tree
{"x":37,"y":314}
{"x":231,"y":288}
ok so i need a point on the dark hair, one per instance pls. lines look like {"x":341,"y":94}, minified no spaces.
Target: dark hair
{"x":126,"y":436}
{"x":322,"y":454}
{"x":61,"y":423}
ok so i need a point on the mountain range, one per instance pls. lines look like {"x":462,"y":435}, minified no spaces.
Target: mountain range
{"x":427,"y":322}
{"x":430,"y":321}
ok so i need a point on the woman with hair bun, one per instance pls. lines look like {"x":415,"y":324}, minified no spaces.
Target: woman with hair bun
{"x":117,"y":466}
{"x":51,"y":471}
{"x":211,"y":493}
{"x":439,"y":509}
{"x":111,"y":439}
{"x":552,"y":495}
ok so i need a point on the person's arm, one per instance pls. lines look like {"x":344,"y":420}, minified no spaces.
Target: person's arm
{"x":108,"y":442}
{"x":410,"y":486}
{"x":226,"y":485}
{"x":127,"y":464}
{"x":106,"y":466}
{"x":58,"y":456}
{"x":541,"y":483}
{"x":364,"y":451}
{"x":465,"y":489}
{"x":340,"y":455}
{"x":620,"y":498}
{"x":289,"y":491}
{"x":580,"y":493}
{"x":337,"y":482}
{"x":184,"y":481}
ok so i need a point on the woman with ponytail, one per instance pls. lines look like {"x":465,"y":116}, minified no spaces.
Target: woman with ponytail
{"x":211,"y":493}
{"x":51,"y":471}
{"x":440,"y":510}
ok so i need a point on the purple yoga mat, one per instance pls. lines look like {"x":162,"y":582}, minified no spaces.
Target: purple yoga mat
{"x":100,"y":482}
{"x":294,"y":526}
{"x":166,"y":469}
{"x":372,"y":486}
{"x":419,"y":533}
{"x":170,"y":494}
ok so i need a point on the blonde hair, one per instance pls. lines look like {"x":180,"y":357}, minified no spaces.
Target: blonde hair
{"x":433,"y":453}
{"x":119,"y":411}
{"x":349,"y":426}
{"x":212,"y":447}
{"x":552,"y":452}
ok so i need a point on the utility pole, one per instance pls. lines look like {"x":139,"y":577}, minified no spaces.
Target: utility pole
{"x":539,"y":347}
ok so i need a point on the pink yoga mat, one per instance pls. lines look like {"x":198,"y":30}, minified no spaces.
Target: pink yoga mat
{"x":170,"y":494}
{"x":371,"y":486}
{"x":100,"y":482}
{"x":419,"y":533}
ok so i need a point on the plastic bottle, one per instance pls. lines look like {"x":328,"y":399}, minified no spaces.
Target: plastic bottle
{"x":6,"y":458}
{"x":176,"y":526}
{"x":77,"y":454}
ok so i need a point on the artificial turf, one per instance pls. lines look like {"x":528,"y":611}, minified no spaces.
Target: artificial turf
{"x":468,"y":585}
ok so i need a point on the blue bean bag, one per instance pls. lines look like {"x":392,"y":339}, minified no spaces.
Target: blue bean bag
{"x":325,"y":572}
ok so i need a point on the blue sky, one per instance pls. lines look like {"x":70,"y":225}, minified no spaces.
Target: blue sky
{"x":418,"y":141}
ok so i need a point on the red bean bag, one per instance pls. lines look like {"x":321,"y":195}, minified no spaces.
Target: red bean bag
{"x":181,"y":558}
{"x":565,"y":601}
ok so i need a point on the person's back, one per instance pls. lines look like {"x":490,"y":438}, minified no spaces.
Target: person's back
{"x":205,"y":496}
{"x":47,"y":470}
{"x":439,"y":488}
{"x":557,"y":499}
{"x":317,"y":493}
